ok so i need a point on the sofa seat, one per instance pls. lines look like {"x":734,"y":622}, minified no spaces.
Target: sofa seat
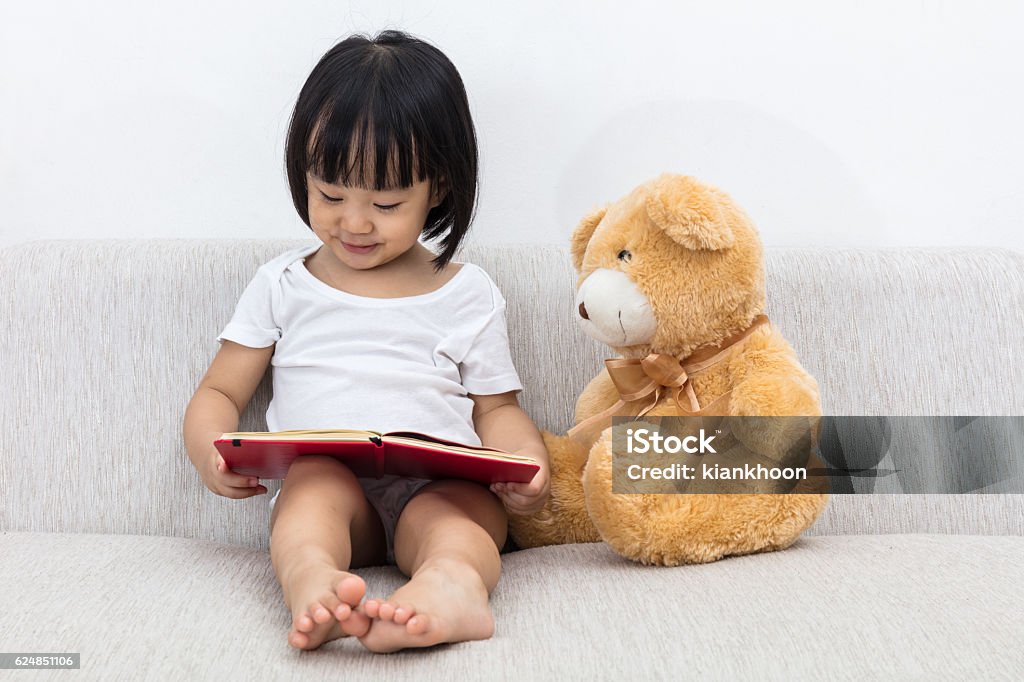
{"x":837,"y":607}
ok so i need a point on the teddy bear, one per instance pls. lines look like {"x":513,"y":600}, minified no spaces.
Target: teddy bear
{"x":671,"y":277}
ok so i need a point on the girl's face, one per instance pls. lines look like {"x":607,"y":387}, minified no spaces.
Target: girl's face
{"x":364,"y":228}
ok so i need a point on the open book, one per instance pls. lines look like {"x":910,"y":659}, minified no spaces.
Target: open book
{"x":370,"y":454}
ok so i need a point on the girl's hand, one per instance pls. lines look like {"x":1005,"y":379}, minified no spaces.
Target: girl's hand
{"x":226,"y":483}
{"x":523,"y":499}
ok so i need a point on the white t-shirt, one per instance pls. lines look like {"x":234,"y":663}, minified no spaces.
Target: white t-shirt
{"x":382,"y":364}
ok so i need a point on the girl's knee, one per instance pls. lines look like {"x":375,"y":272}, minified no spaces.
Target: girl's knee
{"x":317,"y":478}
{"x":316,"y":468}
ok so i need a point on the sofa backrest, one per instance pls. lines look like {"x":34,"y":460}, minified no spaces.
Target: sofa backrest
{"x":103,"y":343}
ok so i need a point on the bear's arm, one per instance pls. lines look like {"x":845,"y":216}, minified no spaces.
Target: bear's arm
{"x":600,"y":394}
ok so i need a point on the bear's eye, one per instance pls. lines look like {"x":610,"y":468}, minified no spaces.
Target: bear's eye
{"x":625,"y":256}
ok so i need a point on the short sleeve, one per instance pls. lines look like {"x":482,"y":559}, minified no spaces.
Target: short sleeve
{"x":253,"y":322}
{"x":487,"y":365}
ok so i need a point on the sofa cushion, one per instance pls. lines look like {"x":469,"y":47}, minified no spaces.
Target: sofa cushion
{"x":878,"y":607}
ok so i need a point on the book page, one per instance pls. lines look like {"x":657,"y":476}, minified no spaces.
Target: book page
{"x":409,"y":438}
{"x":303,"y":435}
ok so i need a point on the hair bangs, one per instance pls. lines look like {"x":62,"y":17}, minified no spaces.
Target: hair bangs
{"x":369,"y":147}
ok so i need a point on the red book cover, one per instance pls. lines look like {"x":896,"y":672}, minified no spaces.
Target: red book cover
{"x":369,"y":454}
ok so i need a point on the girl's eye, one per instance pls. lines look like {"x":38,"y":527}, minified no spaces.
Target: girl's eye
{"x":625,"y":256}
{"x":334,"y":200}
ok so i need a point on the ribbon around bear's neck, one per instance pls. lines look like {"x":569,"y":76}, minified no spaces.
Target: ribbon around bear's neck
{"x":640,"y":382}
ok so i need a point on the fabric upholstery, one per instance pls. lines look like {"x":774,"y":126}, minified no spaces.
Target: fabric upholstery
{"x":840,"y":607}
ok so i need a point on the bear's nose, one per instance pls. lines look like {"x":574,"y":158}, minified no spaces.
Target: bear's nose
{"x":583,"y":312}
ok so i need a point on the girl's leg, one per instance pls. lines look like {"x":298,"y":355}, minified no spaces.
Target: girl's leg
{"x":321,"y":525}
{"x":447,"y":540}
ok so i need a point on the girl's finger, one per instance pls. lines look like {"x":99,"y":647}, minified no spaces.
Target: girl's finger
{"x":532,"y":488}
{"x":522,"y":511}
{"x":241,"y":480}
{"x":518,"y":499}
{"x":247,"y":491}
{"x":520,"y":488}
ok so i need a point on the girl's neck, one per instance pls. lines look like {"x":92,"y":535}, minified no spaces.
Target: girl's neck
{"x":410,"y":274}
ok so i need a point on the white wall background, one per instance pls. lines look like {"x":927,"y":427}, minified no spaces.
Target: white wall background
{"x":834,"y":124}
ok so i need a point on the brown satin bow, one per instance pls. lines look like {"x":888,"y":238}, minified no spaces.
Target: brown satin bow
{"x":640,"y":382}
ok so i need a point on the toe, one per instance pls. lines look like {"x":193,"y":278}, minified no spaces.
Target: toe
{"x":330,"y":602}
{"x":298,"y":640}
{"x":342,"y":611}
{"x":372,"y":607}
{"x":418,"y":624}
{"x":351,"y":589}
{"x":403,"y":613}
{"x":304,"y":623}
{"x":387,"y":611}
{"x":357,"y":624}
{"x":321,"y":614}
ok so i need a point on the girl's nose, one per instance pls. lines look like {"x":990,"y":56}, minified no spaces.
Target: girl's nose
{"x":356,"y":223}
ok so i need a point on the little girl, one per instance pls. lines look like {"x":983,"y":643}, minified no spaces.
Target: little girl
{"x":371,"y":330}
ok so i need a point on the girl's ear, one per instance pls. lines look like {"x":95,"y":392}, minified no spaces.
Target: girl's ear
{"x":439,"y":193}
{"x":582,"y":234}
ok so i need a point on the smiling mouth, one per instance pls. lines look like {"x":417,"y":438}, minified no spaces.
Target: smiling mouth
{"x":355,"y":248}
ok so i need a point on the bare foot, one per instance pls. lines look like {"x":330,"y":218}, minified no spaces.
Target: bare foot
{"x":323,"y":602}
{"x":443,"y":602}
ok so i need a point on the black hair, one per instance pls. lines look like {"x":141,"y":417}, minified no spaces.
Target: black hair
{"x":401,"y":99}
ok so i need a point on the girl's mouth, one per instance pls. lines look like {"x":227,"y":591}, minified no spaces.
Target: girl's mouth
{"x":359,"y":249}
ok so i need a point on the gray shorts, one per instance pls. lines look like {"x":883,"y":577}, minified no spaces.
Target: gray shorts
{"x":388,"y":496}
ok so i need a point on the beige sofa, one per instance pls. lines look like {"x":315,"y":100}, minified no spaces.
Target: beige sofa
{"x":113,"y":548}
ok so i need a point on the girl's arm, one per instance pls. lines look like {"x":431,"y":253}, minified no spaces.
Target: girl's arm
{"x":216,"y":407}
{"x":501,"y":423}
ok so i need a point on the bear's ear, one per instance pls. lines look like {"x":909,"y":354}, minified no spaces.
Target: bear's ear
{"x":689,"y":213}
{"x":582,"y":234}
